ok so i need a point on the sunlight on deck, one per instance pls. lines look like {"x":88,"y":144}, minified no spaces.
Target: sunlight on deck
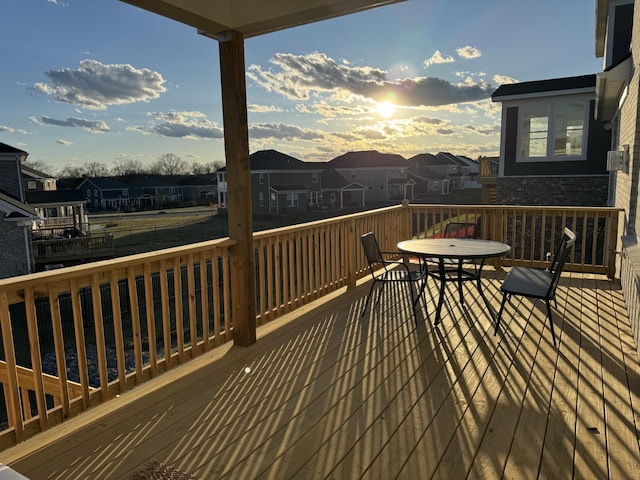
{"x":328,"y":394}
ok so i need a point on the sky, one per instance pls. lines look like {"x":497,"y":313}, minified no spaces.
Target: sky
{"x":102,"y":81}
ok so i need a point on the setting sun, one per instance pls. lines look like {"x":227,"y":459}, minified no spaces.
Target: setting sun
{"x":386,"y":109}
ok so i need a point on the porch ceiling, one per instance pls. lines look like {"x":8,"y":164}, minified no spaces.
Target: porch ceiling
{"x":253,"y":17}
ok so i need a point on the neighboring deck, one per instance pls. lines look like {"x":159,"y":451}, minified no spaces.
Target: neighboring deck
{"x":327,"y":394}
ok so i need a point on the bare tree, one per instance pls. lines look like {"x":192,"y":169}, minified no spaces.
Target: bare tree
{"x":39,"y":165}
{"x":170,"y":164}
{"x":72,"y":171}
{"x":127,"y":166}
{"x":96,"y":169}
{"x":205,"y":168}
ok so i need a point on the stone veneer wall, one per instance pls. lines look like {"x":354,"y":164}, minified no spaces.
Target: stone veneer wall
{"x":13,"y":259}
{"x":588,"y":191}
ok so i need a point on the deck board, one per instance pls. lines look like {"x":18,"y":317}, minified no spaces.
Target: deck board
{"x":325,"y":393}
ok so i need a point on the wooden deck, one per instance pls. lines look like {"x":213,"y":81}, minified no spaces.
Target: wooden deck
{"x":327,"y":394}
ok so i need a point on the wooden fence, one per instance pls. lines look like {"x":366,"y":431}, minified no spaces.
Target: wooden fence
{"x":76,"y":337}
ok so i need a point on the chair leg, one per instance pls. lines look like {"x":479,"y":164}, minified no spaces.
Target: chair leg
{"x":414,"y":300}
{"x":504,"y":300}
{"x":380,"y":293}
{"x":553,"y":335}
{"x":460,"y":282}
{"x":373,"y":285}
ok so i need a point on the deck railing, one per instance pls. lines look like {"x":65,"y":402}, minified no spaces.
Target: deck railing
{"x":68,"y":249}
{"x":75,"y":337}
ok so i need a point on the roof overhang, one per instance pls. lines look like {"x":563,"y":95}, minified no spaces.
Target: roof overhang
{"x":252,"y":17}
{"x":609,"y":86}
{"x":602,"y":11}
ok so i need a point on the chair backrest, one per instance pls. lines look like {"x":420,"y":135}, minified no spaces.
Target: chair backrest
{"x":371,"y":250}
{"x":562,"y":254}
{"x":461,"y":230}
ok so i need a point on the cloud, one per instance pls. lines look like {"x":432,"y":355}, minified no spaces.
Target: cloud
{"x":282,"y":131}
{"x":299,"y":77}
{"x":95,"y":85}
{"x":504,"y":79}
{"x":65,"y":143}
{"x":468,"y":52}
{"x":92,"y":126}
{"x":255,"y":108}
{"x":190,"y":125}
{"x":438,"y":58}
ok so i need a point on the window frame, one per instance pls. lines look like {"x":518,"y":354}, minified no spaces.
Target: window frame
{"x":550,"y":106}
{"x":293,"y":199}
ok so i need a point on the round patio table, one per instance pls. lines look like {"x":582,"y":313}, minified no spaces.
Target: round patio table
{"x":453,"y":252}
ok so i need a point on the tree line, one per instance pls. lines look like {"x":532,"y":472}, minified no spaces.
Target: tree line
{"x":166,"y":164}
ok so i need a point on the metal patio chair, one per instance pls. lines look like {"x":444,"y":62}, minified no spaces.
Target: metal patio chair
{"x":536,"y":283}
{"x":385,"y":270}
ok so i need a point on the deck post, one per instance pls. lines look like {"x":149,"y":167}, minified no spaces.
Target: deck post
{"x":236,"y":144}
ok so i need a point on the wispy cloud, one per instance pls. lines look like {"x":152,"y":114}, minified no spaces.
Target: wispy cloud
{"x":96,"y":86}
{"x":298,"y":77}
{"x":6,"y":129}
{"x":255,"y":108}
{"x":190,"y":125}
{"x":282,"y":131}
{"x":92,"y":126}
{"x":64,"y":143}
{"x":437,"y":58}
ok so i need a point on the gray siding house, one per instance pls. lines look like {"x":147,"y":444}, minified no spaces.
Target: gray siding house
{"x":16,"y":217}
{"x":552,"y":149}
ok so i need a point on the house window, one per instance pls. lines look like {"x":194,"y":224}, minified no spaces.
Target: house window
{"x":95,"y":192}
{"x":312,"y":199}
{"x":274,"y":199}
{"x":88,"y":192}
{"x":314,"y":177}
{"x":292,"y":199}
{"x":261,"y":199}
{"x":261,"y":178}
{"x":31,"y":185}
{"x":124,"y":192}
{"x":552,"y":131}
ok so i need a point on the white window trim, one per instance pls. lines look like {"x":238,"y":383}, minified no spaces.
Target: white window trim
{"x":551,"y":132}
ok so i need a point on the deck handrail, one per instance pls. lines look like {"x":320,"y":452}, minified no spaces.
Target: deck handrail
{"x":141,"y":315}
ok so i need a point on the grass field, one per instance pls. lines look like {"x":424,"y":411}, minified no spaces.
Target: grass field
{"x":143,"y":232}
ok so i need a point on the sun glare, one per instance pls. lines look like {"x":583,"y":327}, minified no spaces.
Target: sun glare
{"x":386,"y":109}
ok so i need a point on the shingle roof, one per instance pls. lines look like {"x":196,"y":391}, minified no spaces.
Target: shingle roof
{"x":4,"y":148}
{"x":36,"y":197}
{"x":274,"y":160}
{"x":15,"y":208}
{"x":105,"y":183}
{"x":541,"y":86}
{"x":32,"y":172}
{"x":368,"y":159}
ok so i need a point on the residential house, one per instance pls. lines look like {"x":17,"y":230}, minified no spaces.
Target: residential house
{"x":439,"y":174}
{"x":279,"y":184}
{"x":33,"y":179}
{"x":153,"y":191}
{"x":16,"y":217}
{"x":105,"y":193}
{"x":385,"y":175}
{"x":617,"y":34}
{"x":340,"y":193}
{"x":553,"y":151}
{"x":199,"y":189}
{"x":58,"y":209}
